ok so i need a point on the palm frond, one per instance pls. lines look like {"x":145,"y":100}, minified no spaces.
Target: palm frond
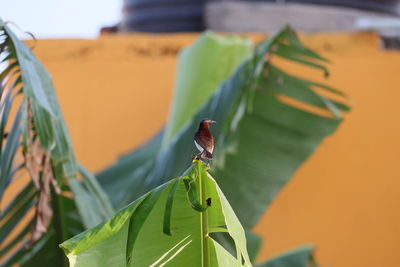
{"x":35,"y":146}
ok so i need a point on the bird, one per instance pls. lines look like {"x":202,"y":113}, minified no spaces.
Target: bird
{"x":204,"y":140}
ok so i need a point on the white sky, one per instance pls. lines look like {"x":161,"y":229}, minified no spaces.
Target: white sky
{"x":61,"y":18}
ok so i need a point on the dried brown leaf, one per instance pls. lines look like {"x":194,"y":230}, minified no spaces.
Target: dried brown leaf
{"x":33,"y":161}
{"x":39,"y":166}
{"x":44,"y":213}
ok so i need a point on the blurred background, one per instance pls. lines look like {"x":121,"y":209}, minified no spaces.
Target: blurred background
{"x":113,"y":62}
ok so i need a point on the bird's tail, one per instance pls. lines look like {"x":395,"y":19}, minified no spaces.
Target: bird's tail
{"x":206,"y":155}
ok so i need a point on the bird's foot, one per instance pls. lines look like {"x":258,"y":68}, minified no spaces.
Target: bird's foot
{"x":209,"y":163}
{"x":195,"y":157}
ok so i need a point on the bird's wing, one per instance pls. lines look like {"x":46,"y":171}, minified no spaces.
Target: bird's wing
{"x":207,"y":143}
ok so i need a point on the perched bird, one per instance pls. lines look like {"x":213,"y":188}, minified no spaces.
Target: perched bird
{"x":204,"y":139}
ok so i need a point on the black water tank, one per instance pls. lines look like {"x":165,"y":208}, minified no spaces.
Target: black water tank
{"x":162,"y":16}
{"x":188,"y":15}
{"x":391,"y":7}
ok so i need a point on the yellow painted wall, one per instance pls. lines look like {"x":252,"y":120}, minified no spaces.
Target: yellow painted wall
{"x":115,"y":93}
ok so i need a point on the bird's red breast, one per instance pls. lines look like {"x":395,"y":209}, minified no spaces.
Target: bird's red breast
{"x":204,"y":139}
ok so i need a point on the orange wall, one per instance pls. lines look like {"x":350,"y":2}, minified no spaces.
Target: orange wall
{"x":115,"y":93}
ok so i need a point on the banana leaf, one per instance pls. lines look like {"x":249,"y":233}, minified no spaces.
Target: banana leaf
{"x":226,"y":52}
{"x":258,"y":135}
{"x":264,"y":133}
{"x":165,"y":226}
{"x":299,"y":257}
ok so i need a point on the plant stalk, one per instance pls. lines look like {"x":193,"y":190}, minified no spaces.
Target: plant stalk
{"x":59,"y":225}
{"x":203,"y":220}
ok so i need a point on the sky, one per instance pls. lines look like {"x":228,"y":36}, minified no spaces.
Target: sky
{"x":61,"y":18}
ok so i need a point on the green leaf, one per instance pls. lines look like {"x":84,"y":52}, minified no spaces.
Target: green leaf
{"x":269,"y":150}
{"x":223,"y":257}
{"x":49,"y":122}
{"x":253,"y":244}
{"x":299,"y":89}
{"x":22,"y":256}
{"x":9,"y":222}
{"x":33,"y":74}
{"x":226,"y":52}
{"x":88,"y":208}
{"x":95,"y":189}
{"x":168,"y":208}
{"x":257,"y":136}
{"x":134,"y":167}
{"x":8,"y":154}
{"x":15,"y":241}
{"x":136,"y":222}
{"x":5,"y":108}
{"x":44,"y":249}
{"x":93,"y":204}
{"x":39,"y":118}
{"x":299,"y":257}
{"x":294,"y":54}
{"x":25,"y":195}
{"x":189,"y":244}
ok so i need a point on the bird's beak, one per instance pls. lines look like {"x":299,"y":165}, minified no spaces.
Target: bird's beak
{"x":212,"y":121}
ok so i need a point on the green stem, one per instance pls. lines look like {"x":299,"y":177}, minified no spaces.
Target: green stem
{"x":59,"y":226}
{"x":203,"y":220}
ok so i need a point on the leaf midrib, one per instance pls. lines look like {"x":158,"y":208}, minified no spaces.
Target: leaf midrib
{"x":203,"y":221}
